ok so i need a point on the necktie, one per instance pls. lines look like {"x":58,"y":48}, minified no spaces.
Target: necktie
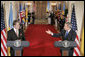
{"x":66,"y":34}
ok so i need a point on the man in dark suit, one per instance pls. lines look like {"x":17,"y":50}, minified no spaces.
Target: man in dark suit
{"x":15,"y":34}
{"x":61,"y":22}
{"x":52,"y":17}
{"x":29,"y":17}
{"x":67,"y":34}
{"x":33,"y":17}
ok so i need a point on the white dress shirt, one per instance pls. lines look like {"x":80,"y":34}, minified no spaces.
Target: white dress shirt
{"x":69,"y":30}
{"x":16,"y":30}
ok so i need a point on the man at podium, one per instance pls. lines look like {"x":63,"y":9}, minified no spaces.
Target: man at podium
{"x":67,"y":34}
{"x":15,"y":34}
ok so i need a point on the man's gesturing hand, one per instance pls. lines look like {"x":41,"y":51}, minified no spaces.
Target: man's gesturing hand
{"x":49,"y":32}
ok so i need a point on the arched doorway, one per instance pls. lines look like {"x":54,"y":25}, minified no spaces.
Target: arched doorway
{"x":40,"y":9}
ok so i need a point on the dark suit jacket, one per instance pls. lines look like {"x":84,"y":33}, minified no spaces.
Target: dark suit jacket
{"x":52,"y":18}
{"x":71,"y":36}
{"x":21,"y":26}
{"x":29,"y":14}
{"x":12,"y":37}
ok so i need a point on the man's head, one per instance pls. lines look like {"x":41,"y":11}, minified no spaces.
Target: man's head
{"x":67,"y":26}
{"x":16,"y":24}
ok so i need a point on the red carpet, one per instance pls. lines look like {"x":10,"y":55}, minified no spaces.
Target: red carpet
{"x":41,"y":44}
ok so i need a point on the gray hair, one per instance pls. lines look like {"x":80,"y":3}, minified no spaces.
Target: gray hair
{"x":69,"y":24}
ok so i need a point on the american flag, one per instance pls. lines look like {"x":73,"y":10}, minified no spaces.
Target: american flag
{"x":3,"y":34}
{"x":74,"y":27}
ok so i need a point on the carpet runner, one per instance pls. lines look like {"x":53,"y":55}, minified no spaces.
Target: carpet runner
{"x":41,"y":44}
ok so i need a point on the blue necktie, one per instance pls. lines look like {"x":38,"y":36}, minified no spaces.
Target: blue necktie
{"x":66,"y":34}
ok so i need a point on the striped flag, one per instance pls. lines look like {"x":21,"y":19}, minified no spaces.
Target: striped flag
{"x":74,"y":27}
{"x":3,"y":34}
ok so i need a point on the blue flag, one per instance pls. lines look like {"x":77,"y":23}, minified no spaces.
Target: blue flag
{"x":59,"y":6}
{"x":11,"y":17}
{"x":64,"y":7}
{"x":20,"y":7}
{"x":48,"y":6}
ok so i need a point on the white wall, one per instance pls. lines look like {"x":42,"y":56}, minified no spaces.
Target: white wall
{"x":79,"y":8}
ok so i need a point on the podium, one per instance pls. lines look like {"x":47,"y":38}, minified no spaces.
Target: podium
{"x":17,"y":46}
{"x":65,"y":45}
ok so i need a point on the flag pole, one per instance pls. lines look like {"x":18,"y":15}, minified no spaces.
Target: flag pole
{"x":82,"y":39}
